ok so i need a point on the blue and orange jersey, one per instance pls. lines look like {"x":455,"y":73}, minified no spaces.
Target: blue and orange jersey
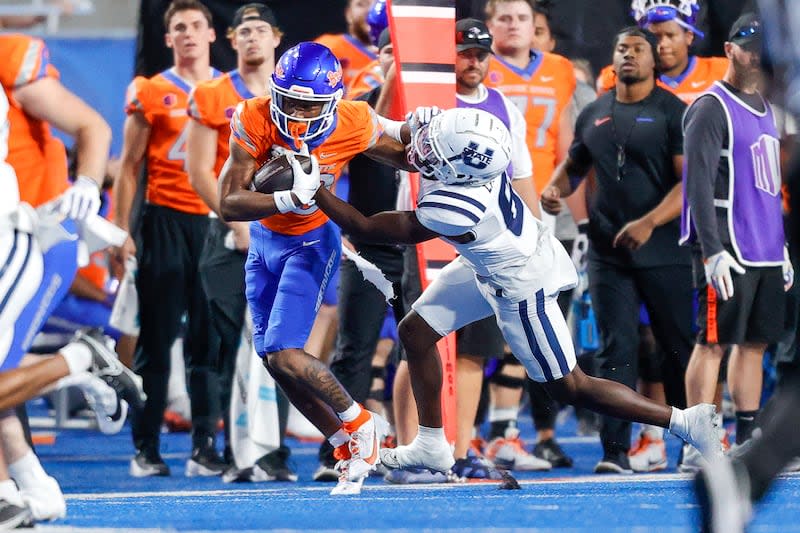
{"x":541,"y":91}
{"x":38,"y":158}
{"x":357,"y":129}
{"x":162,"y":101}
{"x":368,"y":78}
{"x":698,"y":76}
{"x":351,"y":53}
{"x":212,"y":104}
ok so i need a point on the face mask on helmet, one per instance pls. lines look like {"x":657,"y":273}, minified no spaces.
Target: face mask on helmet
{"x":462,"y":147}
{"x":307,"y":73}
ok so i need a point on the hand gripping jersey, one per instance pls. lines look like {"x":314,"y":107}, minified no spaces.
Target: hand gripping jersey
{"x":351,"y":53}
{"x":699,"y":75}
{"x":356,"y":129}
{"x":541,"y":92}
{"x":38,"y":158}
{"x":162,"y":102}
{"x":212,"y":104}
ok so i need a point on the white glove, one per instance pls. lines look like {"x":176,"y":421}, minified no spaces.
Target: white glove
{"x":305,"y":185}
{"x":80,"y":200}
{"x":718,"y":273}
{"x":788,"y":270}
{"x":278,"y":150}
{"x":420,"y":117}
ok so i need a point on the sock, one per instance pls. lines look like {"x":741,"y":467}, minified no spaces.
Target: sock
{"x":77,"y":356}
{"x":338,"y":438}
{"x":654,"y":432}
{"x":428,"y":434}
{"x":27,"y":470}
{"x":9,"y":493}
{"x":351,"y":413}
{"x":677,"y":423}
{"x":745,"y":424}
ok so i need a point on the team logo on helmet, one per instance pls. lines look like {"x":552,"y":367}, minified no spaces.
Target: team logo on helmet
{"x":334,"y":77}
{"x":279,"y":73}
{"x":473,"y":158}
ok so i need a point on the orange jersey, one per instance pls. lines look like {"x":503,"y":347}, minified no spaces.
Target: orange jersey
{"x":351,"y":53}
{"x":367,"y":79}
{"x":698,"y":76}
{"x":162,"y":101}
{"x":541,"y":92}
{"x":357,"y":129}
{"x":212,"y":104}
{"x":38,"y":158}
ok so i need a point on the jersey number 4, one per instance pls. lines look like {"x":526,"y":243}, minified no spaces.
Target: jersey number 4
{"x":177,"y":151}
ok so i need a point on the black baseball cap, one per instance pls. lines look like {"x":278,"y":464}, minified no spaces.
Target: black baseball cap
{"x":384,"y":39}
{"x":254,"y":11}
{"x":472,"y":33}
{"x":746,"y":31}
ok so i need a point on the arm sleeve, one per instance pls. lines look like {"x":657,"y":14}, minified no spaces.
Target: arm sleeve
{"x":704,"y":138}
{"x":203,"y":107}
{"x":27,"y":59}
{"x":520,"y":155}
{"x":675,"y":111}
{"x":136,"y":98}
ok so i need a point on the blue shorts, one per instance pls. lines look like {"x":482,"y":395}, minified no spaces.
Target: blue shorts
{"x":285,"y":281}
{"x":389,"y":327}
{"x":331,"y":296}
{"x":60,"y":266}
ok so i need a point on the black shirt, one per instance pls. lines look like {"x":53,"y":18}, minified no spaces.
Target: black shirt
{"x":707,"y":134}
{"x":650,"y":133}
{"x":373,"y":189}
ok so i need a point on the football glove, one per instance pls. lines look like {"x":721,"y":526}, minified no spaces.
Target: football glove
{"x":718,"y":273}
{"x":81,"y":199}
{"x":305,"y":185}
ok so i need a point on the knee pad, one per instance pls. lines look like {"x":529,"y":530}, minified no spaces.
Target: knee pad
{"x":503,"y":380}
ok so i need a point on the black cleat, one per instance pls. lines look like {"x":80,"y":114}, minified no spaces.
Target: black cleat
{"x":614,"y":463}
{"x":148,"y":462}
{"x":107,"y":367}
{"x":205,"y":461}
{"x":275,"y":466}
{"x":550,"y":451}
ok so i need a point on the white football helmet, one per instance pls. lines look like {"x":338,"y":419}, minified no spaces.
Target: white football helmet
{"x":462,"y":146}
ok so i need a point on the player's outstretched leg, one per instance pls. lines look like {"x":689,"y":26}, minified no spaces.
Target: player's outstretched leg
{"x":696,"y":425}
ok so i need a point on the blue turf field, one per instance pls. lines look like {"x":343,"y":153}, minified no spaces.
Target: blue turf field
{"x":92,"y":470}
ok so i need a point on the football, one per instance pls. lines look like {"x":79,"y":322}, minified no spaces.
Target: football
{"x":276,"y":174}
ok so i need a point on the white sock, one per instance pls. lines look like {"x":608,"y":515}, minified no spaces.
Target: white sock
{"x":427,"y":435}
{"x":9,"y":493}
{"x":338,"y":438}
{"x":351,"y":413}
{"x":77,"y":356}
{"x":677,"y":423}
{"x":27,"y":470}
{"x":497,"y":414}
{"x":654,"y":432}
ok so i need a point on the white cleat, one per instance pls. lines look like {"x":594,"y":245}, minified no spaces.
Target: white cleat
{"x":702,"y":430}
{"x":44,"y":499}
{"x":438,"y":458}
{"x":365,"y":445}
{"x":346,"y":487}
{"x":109,"y":409}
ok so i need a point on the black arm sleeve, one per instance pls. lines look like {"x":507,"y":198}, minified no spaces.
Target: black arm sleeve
{"x":704,"y":136}
{"x":578,"y":151}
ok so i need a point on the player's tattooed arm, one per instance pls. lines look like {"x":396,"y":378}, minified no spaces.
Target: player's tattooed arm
{"x":236,"y":200}
{"x":387,"y":227}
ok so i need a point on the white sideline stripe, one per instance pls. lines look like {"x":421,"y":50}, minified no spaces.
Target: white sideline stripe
{"x":588,"y":480}
{"x":419,"y":12}
{"x":428,"y":77}
{"x":72,"y":458}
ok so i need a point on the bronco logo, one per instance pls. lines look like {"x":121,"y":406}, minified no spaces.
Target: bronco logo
{"x":334,"y":77}
{"x":279,"y":73}
{"x":473,"y":158}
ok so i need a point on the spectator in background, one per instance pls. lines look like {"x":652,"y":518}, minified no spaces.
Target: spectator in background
{"x":632,"y":139}
{"x":732,"y":216}
{"x":354,"y":49}
{"x":174,"y":225}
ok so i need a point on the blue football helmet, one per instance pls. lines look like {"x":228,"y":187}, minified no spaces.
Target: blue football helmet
{"x":377,"y":19}
{"x":308,"y":72}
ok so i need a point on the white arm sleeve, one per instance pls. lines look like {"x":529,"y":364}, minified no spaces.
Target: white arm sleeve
{"x":391,"y":127}
{"x":520,"y":155}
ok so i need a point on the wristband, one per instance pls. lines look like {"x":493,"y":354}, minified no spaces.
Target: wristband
{"x":283,"y":201}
